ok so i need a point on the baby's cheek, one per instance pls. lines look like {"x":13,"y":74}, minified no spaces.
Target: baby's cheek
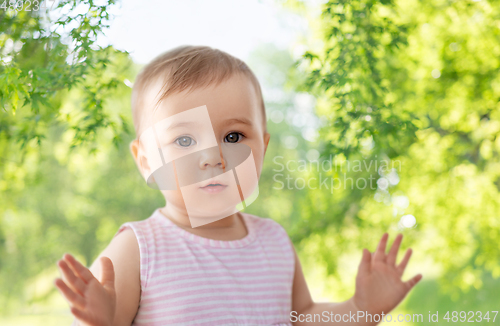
{"x":258,"y":158}
{"x":174,"y":197}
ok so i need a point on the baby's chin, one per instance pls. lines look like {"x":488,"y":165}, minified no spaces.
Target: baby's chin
{"x":203,"y":207}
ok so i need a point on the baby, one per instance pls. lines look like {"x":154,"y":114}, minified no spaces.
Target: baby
{"x":201,"y":132}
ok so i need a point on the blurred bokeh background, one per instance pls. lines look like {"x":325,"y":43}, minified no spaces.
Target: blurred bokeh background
{"x":395,"y":102}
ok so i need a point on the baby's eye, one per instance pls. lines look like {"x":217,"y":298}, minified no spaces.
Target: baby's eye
{"x":185,"y":141}
{"x":233,"y":137}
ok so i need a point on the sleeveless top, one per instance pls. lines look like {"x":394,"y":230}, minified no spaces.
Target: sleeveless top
{"x":191,"y":280}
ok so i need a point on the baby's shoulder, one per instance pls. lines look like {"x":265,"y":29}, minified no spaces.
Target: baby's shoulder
{"x":266,"y":226}
{"x":139,"y":226}
{"x":272,"y":237}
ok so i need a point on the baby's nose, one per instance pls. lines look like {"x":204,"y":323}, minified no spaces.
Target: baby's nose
{"x":211,"y":158}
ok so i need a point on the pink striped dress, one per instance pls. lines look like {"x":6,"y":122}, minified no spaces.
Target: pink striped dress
{"x":190,"y":280}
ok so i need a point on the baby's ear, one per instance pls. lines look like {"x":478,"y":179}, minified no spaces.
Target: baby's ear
{"x":267,"y":137}
{"x":140,"y":159}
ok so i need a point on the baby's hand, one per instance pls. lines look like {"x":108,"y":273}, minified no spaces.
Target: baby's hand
{"x":92,"y":302}
{"x":379,"y":287}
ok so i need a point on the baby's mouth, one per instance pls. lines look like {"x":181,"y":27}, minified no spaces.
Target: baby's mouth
{"x":213,"y":187}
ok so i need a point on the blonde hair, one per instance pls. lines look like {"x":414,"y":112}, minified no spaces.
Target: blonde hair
{"x":188,"y":67}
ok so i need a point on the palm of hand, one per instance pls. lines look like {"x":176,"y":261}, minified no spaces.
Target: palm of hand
{"x":99,"y":302}
{"x":92,"y":302}
{"x":379,"y":287}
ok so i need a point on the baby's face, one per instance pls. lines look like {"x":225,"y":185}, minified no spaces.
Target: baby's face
{"x":213,"y":143}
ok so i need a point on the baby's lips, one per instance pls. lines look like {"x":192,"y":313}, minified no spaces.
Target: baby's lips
{"x":212,"y":182}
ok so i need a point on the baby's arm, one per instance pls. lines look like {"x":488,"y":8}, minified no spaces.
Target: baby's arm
{"x":379,"y":288}
{"x":123,"y":252}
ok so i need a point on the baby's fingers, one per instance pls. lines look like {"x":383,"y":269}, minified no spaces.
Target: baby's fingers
{"x":74,"y":281}
{"x":402,"y":265}
{"x":83,"y":271}
{"x":393,"y":252}
{"x":412,"y":282}
{"x":73,"y":298}
{"x":379,"y":254}
{"x":365,"y":264}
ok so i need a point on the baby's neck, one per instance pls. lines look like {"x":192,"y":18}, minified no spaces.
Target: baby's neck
{"x":228,"y":228}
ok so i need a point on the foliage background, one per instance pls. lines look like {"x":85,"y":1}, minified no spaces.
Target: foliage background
{"x":406,"y":81}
